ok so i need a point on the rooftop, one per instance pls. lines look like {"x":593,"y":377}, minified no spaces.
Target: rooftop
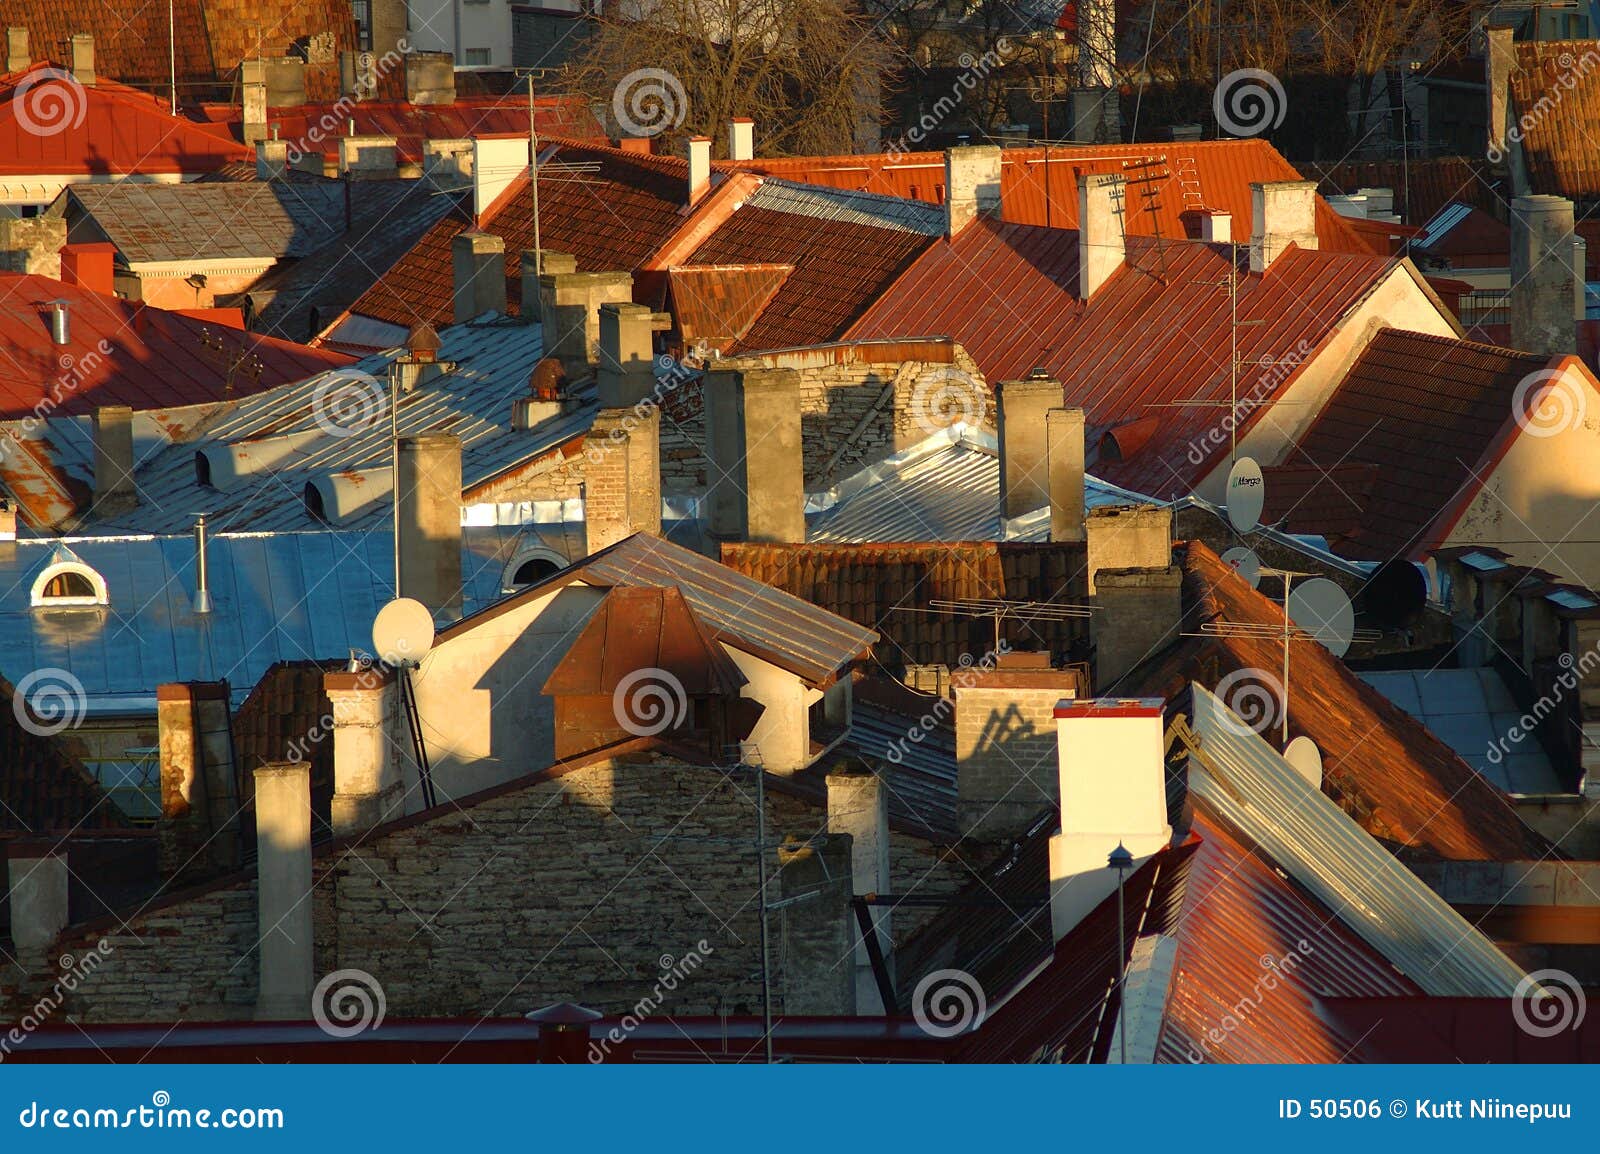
{"x":1558,"y":149}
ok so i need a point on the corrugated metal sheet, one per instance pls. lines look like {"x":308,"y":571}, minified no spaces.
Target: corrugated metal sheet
{"x":747,"y":613}
{"x":921,"y":775}
{"x":493,"y":363}
{"x":276,"y":597}
{"x":1242,"y":779}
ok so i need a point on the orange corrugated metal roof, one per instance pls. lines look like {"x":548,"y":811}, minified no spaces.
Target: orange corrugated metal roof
{"x":1212,"y":174}
{"x":717,"y":304}
{"x":1157,"y":333}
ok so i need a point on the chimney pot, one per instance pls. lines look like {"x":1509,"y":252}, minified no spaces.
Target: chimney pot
{"x":1128,"y":537}
{"x":564,"y":1032}
{"x":61,"y":322}
{"x":1101,"y":251}
{"x":91,"y":266}
{"x":858,"y":806}
{"x":621,"y":476}
{"x":370,"y":157}
{"x":422,"y":343}
{"x":569,"y":312}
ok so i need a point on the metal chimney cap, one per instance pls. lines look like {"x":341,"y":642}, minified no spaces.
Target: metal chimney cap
{"x":1120,"y":858}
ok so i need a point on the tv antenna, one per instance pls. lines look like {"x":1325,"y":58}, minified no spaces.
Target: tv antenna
{"x":1148,"y":174}
{"x":999,"y":611}
{"x":402,"y":635}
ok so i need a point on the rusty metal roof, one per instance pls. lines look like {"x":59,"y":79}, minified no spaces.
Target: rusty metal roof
{"x":211,"y":220}
{"x":717,"y":304}
{"x":637,"y":628}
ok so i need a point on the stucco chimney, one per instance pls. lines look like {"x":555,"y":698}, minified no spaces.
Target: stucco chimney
{"x":428,"y":489}
{"x":699,"y":167}
{"x":370,"y":157}
{"x":1112,"y":784}
{"x":1498,"y":60}
{"x":1064,"y":458}
{"x":430,"y":78}
{"x":627,"y":354}
{"x":1282,"y":212}
{"x":858,"y":806}
{"x":621,"y":476}
{"x":1216,"y":227}
{"x":1543,"y":284}
{"x":17,"y":57}
{"x":36,"y":873}
{"x":253,"y":118}
{"x":1006,"y":742}
{"x":569,"y":311}
{"x":497,"y":163}
{"x":1100,"y":247}
{"x":195,"y":750}
{"x":478,"y":261}
{"x":272,"y":159}
{"x":83,"y":57}
{"x":1128,"y":537}
{"x":1024,"y":441}
{"x":447,"y":162}
{"x":1140,"y":613}
{"x":552,"y":264}
{"x":358,"y":74}
{"x":113,"y":458}
{"x":753,"y":441}
{"x":367,"y":785}
{"x":817,"y":930}
{"x":283,"y":890}
{"x":90,"y":265}
{"x":741,"y":139}
{"x":971,"y":185}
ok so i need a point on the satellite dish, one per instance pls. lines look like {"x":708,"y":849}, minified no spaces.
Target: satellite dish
{"x":403,"y":632}
{"x":1247,"y":494}
{"x":1303,"y":754}
{"x":1245,"y":563}
{"x":1321,"y":608}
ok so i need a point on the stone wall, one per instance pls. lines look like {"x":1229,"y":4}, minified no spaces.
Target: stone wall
{"x":577,"y":889}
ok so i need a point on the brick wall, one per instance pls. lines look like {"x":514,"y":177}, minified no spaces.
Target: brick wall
{"x":573,"y":889}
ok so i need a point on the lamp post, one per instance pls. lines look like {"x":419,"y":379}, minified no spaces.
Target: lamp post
{"x":1121,"y":861}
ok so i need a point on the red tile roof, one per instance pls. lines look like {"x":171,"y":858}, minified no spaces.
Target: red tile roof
{"x":611,"y":210}
{"x":1422,"y":186}
{"x":1557,"y":145}
{"x":106,"y":128}
{"x":131,"y":40}
{"x":1475,"y":240}
{"x":121,"y":353}
{"x":411,"y":124}
{"x":717,"y":304}
{"x":1214,"y":174}
{"x":1156,"y":333}
{"x":1400,"y":782}
{"x":1425,"y":412}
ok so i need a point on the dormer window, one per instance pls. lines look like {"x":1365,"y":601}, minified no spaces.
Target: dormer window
{"x":66,"y":582}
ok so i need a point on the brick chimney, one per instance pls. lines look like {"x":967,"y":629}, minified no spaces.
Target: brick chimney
{"x":621,"y":476}
{"x":1100,"y":248}
{"x":1544,"y":283}
{"x":428,"y":490}
{"x":699,"y":168}
{"x":753,"y":442}
{"x":971,"y":185}
{"x":90,"y":265}
{"x":114,"y":487}
{"x":1128,"y":537}
{"x":36,"y":875}
{"x":741,"y":139}
{"x":1140,"y":614}
{"x":1282,"y":212}
{"x":858,"y":806}
{"x":367,"y":784}
{"x":1112,"y":785}
{"x":83,"y":57}
{"x":430,"y":78}
{"x":1006,"y":743}
{"x":17,"y":56}
{"x":283,"y":890}
{"x":478,"y":262}
{"x":569,"y":311}
{"x":370,"y":157}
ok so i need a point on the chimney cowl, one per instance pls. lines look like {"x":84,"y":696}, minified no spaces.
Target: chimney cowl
{"x":61,"y":322}
{"x":422,"y":343}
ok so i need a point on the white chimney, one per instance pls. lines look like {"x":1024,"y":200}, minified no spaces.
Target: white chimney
{"x":367,"y":788}
{"x":858,"y":805}
{"x":1282,"y":212}
{"x":1216,"y":227}
{"x":1100,"y":248}
{"x":1112,"y":778}
{"x":971,"y":185}
{"x":497,"y":161}
{"x":741,"y":139}
{"x":283,"y":890}
{"x":37,"y":877}
{"x":699,"y":168}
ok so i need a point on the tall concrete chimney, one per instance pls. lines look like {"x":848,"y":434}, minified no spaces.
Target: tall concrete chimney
{"x":753,"y":441}
{"x":699,"y":168}
{"x":36,"y":874}
{"x":1101,"y":251}
{"x":428,"y":490}
{"x":478,"y":261}
{"x":533,"y":267}
{"x":858,"y":805}
{"x":1006,"y":743}
{"x":1112,"y":783}
{"x":1024,"y":442}
{"x":114,"y":487}
{"x":17,"y":56}
{"x":569,"y":311}
{"x":1064,"y":461}
{"x":1140,"y":614}
{"x":367,"y":785}
{"x":627,"y":354}
{"x":1128,"y":537}
{"x":283,"y":890}
{"x":1543,"y":284}
{"x":83,"y":57}
{"x":741,"y":139}
{"x":253,"y":117}
{"x":971,"y":185}
{"x":1282,"y":212}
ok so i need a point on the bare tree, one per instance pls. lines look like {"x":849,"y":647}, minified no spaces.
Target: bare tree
{"x":809,"y":72}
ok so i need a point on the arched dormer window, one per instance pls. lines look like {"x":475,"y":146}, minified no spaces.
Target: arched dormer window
{"x":66,"y":582}
{"x":530,"y":566}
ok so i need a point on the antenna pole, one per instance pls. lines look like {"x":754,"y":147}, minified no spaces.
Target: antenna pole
{"x":761,"y":897}
{"x":172,"y":56}
{"x":1287,"y":579}
{"x":1233,"y":355}
{"x":533,"y":181}
{"x":394,"y":467}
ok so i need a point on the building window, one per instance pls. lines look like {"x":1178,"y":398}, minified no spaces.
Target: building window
{"x":67,"y":583}
{"x":477,"y":56}
{"x":363,"y":14}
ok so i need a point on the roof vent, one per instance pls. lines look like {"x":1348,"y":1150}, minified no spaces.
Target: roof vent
{"x":422,"y":343}
{"x":61,"y":322}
